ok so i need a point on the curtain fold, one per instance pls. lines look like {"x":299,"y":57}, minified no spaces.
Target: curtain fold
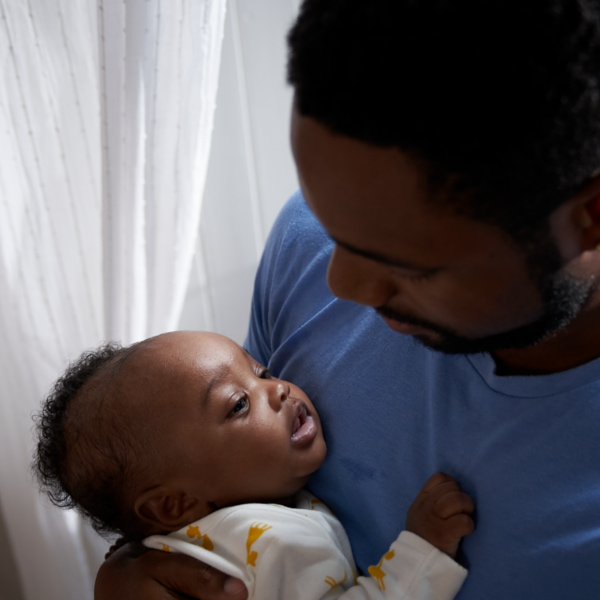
{"x":106,"y":110}
{"x":158,"y":85}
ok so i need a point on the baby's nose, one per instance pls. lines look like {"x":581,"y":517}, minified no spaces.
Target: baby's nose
{"x":279,"y":392}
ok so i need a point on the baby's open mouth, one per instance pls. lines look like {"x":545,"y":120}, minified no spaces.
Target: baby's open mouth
{"x":304,"y":428}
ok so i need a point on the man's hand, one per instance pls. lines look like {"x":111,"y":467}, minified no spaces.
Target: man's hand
{"x":136,"y":573}
{"x":441,"y":513}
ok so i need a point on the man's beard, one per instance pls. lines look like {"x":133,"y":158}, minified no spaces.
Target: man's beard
{"x":563,"y":296}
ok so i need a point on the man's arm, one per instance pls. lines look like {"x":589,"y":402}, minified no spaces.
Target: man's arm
{"x":136,"y":573}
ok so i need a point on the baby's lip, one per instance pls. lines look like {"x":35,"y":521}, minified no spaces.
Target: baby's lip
{"x":304,"y":426}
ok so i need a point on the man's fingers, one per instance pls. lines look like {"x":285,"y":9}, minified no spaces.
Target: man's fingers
{"x":134,"y":573}
{"x":187,"y":577}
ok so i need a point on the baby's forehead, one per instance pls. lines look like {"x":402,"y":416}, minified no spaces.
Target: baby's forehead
{"x":165,"y":372}
{"x":199,"y":346}
{"x":181,"y":356}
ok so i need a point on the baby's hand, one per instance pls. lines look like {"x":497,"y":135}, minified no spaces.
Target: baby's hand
{"x":441,"y":513}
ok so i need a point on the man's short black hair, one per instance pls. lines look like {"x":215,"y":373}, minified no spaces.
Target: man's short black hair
{"x":83,"y":458}
{"x":505,"y":95}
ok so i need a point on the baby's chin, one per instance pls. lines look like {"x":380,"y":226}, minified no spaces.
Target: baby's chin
{"x":319,"y":453}
{"x":323,"y":447}
{"x":287,"y":495}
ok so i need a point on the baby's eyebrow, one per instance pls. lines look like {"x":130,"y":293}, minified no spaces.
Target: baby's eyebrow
{"x":216,"y":378}
{"x":249,"y":356}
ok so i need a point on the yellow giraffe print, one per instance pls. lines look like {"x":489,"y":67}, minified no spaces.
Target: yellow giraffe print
{"x":255,"y":531}
{"x":194,"y":532}
{"x":377,"y":572}
{"x":330,"y":581}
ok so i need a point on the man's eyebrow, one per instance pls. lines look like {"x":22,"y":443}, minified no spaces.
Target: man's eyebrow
{"x":381,"y":258}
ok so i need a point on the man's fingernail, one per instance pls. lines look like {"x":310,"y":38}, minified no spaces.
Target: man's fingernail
{"x":233,"y":586}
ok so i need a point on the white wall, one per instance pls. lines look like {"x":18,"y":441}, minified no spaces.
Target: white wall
{"x":251,"y":171}
{"x":10,"y":586}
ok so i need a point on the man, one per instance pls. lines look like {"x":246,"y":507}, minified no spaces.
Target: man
{"x":450,"y":150}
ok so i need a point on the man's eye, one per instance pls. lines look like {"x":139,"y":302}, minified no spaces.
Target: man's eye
{"x":240,"y":406}
{"x":416,"y":276}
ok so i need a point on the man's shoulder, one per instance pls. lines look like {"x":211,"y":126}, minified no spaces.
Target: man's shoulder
{"x":295,"y":212}
{"x":295,"y":238}
{"x":290,"y":285}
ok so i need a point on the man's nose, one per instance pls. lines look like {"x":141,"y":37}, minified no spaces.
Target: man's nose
{"x":353,"y":277}
{"x":279,"y":392}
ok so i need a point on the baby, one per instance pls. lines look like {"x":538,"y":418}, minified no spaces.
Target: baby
{"x":185,"y":440}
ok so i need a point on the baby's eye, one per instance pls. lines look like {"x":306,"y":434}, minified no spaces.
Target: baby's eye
{"x":265,"y":374}
{"x":240,"y":406}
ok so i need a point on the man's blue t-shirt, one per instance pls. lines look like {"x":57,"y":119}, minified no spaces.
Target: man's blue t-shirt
{"x":527,"y":449}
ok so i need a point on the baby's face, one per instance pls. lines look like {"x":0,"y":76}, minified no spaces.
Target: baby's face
{"x":228,"y":431}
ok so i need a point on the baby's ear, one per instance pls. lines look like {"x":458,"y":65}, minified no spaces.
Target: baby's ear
{"x":168,"y":509}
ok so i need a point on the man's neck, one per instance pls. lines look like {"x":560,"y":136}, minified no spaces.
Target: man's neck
{"x":575,"y":345}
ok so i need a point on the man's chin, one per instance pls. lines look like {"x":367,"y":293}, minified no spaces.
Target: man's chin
{"x":431,"y":336}
{"x":564,"y":298}
{"x":445,"y":345}
{"x":445,"y":341}
{"x":521,"y":338}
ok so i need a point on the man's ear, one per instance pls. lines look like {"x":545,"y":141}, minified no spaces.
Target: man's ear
{"x":168,"y":509}
{"x":576,"y":223}
{"x":587,"y":218}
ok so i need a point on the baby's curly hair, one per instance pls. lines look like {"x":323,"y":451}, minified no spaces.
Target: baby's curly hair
{"x":85,"y":456}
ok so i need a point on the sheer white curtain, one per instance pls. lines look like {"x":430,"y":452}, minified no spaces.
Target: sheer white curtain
{"x":251,"y":171}
{"x":106,"y":110}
